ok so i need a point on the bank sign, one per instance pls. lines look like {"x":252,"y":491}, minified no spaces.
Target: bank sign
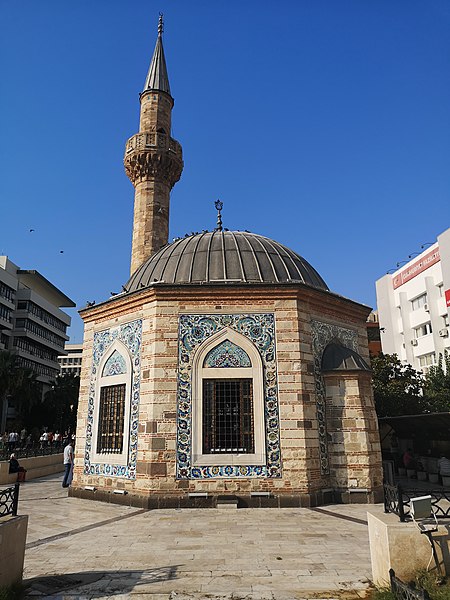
{"x":417,"y":267}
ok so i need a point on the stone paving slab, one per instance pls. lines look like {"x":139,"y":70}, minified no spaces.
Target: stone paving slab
{"x":82,"y":549}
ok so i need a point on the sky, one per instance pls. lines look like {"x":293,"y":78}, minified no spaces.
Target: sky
{"x":323,"y":124}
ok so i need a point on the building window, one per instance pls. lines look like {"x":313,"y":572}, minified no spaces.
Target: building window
{"x":419,"y":302}
{"x":228,"y":426}
{"x":426,"y":360}
{"x":112,"y":405}
{"x":422,"y":330}
{"x":228,"y":416}
{"x":111,"y":419}
{"x":445,"y":319}
{"x":441,"y":289}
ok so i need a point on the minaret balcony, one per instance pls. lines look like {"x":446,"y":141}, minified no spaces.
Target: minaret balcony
{"x":152,"y":140}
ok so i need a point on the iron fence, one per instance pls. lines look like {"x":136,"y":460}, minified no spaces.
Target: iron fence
{"x":397,"y":500}
{"x":9,"y":500}
{"x":403,"y":591}
{"x":5,"y":453}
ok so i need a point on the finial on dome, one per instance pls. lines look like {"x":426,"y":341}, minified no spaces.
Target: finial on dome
{"x":219,"y":205}
{"x":160,"y":24}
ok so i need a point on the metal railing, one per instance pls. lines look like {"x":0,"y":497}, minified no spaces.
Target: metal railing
{"x":403,"y":591}
{"x":9,"y":500}
{"x":397,"y":500}
{"x":5,"y":453}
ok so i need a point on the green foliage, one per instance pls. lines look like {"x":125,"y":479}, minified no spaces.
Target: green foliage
{"x":383,"y":594}
{"x":436,"y":588}
{"x":61,"y":403}
{"x":397,"y":387}
{"x":437,"y":385}
{"x":12,"y":592}
{"x":57,"y":410}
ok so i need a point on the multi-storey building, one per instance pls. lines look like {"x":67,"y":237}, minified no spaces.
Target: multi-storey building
{"x":70,"y":363}
{"x":413,"y":306}
{"x":32,"y":324}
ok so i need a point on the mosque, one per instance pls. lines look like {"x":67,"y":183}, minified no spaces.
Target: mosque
{"x":226,"y":371}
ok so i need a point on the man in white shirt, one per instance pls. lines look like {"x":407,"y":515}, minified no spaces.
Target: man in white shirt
{"x":444,"y":466}
{"x":68,"y":462}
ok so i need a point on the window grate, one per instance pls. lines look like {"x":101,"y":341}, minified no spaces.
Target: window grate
{"x":111,"y":419}
{"x":228,"y":416}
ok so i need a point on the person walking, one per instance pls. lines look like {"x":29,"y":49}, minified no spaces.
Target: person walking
{"x":68,"y":462}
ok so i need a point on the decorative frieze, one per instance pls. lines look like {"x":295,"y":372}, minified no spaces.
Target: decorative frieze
{"x":130,"y":334}
{"x":322,"y":334}
{"x":193,"y":331}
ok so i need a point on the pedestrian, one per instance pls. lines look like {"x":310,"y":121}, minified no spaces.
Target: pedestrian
{"x":444,"y":467}
{"x":14,"y":467}
{"x":11,"y":441}
{"x":68,"y":463}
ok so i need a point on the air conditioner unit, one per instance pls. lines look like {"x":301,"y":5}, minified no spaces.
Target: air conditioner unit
{"x":443,"y":332}
{"x":414,"y":342}
{"x":426,"y":307}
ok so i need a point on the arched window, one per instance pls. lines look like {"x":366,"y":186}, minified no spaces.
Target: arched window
{"x":228,"y":414}
{"x":112,"y":406}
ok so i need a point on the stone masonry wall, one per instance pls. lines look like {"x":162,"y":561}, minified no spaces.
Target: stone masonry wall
{"x":294,"y":311}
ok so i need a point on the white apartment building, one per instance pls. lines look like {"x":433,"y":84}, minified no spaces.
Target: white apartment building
{"x":71,"y":362}
{"x":414,"y":304}
{"x":32,"y":324}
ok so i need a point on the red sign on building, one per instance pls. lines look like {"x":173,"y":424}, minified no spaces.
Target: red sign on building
{"x":417,"y":267}
{"x":447,"y":297}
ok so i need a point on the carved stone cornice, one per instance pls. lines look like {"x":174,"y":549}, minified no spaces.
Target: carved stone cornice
{"x":153,"y":155}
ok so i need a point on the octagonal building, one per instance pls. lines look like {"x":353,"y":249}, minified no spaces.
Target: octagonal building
{"x":226,"y":370}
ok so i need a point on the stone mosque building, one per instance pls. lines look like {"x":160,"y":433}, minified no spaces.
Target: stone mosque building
{"x":226,"y":371}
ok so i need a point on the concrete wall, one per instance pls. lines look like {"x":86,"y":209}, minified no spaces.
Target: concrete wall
{"x":401,"y":546}
{"x":13,"y":535}
{"x":36,"y":466}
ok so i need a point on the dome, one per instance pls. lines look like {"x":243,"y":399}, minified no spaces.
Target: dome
{"x":231,"y":257}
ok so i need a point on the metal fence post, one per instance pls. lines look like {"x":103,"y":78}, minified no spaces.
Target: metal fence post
{"x":15,"y":499}
{"x":401,"y":509}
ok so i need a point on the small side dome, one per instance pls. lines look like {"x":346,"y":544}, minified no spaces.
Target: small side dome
{"x":337,"y":357}
{"x":231,"y":257}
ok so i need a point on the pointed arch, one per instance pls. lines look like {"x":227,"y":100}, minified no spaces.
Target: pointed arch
{"x":228,"y":426}
{"x":110,"y":435}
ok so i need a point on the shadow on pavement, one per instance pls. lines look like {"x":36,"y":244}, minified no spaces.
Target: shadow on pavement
{"x":96,"y":584}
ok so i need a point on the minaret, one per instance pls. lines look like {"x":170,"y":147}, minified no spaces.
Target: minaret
{"x":153,"y":161}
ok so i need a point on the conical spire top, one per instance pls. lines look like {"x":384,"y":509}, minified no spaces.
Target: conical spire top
{"x":157,"y":78}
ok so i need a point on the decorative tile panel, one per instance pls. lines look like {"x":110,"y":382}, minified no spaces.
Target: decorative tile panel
{"x":115,"y":365}
{"x":322,"y":335}
{"x":227,"y":355}
{"x":193,"y":331}
{"x":130,"y":334}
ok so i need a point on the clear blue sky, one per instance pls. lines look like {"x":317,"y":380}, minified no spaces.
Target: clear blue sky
{"x":324,"y":124}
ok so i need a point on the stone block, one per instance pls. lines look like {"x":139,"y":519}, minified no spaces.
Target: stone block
{"x":13,"y":535}
{"x":401,"y":546}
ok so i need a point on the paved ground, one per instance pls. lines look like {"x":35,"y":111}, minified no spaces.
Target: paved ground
{"x":82,"y":549}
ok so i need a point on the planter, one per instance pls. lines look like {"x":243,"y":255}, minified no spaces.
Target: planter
{"x":421,"y":476}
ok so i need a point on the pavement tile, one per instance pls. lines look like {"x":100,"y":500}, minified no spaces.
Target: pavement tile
{"x":255,"y":554}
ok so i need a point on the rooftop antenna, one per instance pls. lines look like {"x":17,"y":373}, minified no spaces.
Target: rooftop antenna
{"x":219,"y":205}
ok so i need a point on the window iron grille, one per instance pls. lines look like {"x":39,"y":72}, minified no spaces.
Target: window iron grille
{"x":228,"y":416}
{"x":111,"y":419}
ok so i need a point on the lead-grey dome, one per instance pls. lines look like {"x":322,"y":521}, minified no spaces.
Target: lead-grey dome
{"x":225,"y":257}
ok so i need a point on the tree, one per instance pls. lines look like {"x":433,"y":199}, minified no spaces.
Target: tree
{"x":397,"y":387}
{"x":437,"y":385}
{"x":61,"y":403}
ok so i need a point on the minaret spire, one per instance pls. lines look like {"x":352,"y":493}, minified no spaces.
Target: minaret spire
{"x":153,"y":160}
{"x":157,"y":77}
